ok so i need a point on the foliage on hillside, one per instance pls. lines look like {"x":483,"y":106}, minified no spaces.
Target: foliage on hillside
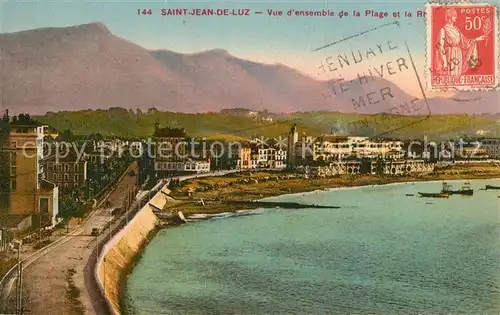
{"x":436,"y":127}
{"x":120,"y":122}
{"x":126,"y":123}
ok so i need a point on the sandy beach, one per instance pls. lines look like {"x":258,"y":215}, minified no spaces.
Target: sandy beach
{"x":213,"y":195}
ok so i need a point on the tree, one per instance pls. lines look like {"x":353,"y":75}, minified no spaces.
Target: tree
{"x":6,"y":117}
{"x":66,"y":135}
{"x":24,"y":118}
{"x":69,"y":207}
{"x":96,"y":136}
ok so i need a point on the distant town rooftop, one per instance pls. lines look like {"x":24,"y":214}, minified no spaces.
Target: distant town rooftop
{"x":169,"y":132}
{"x":246,"y":145}
{"x":71,"y":157}
{"x":332,"y":138}
{"x":33,"y":123}
{"x":26,"y":123}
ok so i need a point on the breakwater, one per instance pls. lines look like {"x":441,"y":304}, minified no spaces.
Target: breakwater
{"x":279,"y":204}
{"x":120,"y":251}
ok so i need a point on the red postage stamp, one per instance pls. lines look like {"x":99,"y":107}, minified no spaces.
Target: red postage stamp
{"x":462,"y":46}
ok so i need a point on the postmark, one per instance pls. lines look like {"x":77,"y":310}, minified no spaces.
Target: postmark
{"x":373,"y":73}
{"x":462,"y":47}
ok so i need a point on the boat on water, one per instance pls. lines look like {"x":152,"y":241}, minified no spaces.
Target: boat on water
{"x":410,"y":194}
{"x":464,"y":190}
{"x":434,"y":195}
{"x":491,"y":187}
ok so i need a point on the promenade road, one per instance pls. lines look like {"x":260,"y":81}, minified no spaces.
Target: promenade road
{"x":59,"y":279}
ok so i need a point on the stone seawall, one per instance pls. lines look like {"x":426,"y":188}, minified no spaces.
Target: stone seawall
{"x":120,"y":251}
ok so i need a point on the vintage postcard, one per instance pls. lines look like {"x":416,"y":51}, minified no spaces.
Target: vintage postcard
{"x":249,"y":157}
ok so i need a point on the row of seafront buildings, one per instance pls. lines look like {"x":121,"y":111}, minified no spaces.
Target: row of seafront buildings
{"x":330,"y":155}
{"x":175,"y":152}
{"x":261,"y":153}
{"x":327,"y":154}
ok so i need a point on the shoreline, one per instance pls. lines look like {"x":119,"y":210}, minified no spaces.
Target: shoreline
{"x":129,"y":267}
{"x":359,"y":182}
{"x":243,"y":212}
{"x":213,"y":195}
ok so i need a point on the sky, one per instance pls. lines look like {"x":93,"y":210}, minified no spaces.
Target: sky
{"x":288,"y":40}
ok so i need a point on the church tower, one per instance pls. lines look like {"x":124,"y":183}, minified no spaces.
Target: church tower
{"x":293,"y":138}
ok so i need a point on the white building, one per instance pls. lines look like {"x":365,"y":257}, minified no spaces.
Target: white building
{"x":340,"y":147}
{"x":197,"y":166}
{"x":280,"y":158}
{"x":189,"y":165}
{"x":268,"y":157}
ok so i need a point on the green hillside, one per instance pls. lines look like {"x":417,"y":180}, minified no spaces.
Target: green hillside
{"x":130,"y":124}
{"x":434,"y":127}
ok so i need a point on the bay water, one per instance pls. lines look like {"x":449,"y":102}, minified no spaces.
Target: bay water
{"x":382,"y":252}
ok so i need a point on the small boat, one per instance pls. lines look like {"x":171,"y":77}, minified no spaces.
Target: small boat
{"x":491,"y":187}
{"x":410,"y":194}
{"x":434,"y":195}
{"x":465,"y":190}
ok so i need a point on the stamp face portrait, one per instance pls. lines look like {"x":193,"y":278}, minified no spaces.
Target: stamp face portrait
{"x":462,"y":46}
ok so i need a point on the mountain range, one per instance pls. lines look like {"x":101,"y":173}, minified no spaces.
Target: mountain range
{"x":87,"y":67}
